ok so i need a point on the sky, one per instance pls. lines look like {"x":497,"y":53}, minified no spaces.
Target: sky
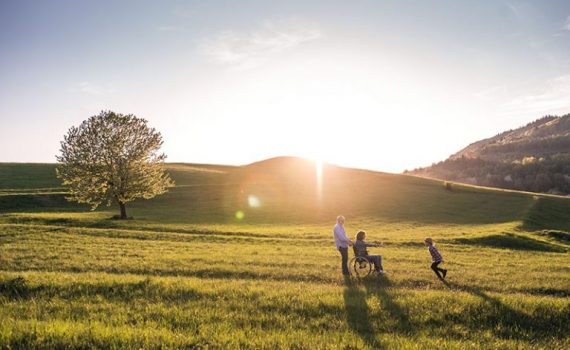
{"x":381,"y":85}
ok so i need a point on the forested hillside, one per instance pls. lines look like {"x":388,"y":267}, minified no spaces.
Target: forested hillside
{"x":534,"y":158}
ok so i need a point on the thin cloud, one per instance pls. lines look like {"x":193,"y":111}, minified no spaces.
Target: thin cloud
{"x":567,"y":24}
{"x":523,"y":12}
{"x":563,"y":29}
{"x":246,"y":50}
{"x":170,"y":28}
{"x":94,"y":89}
{"x":516,"y":11}
{"x":184,"y":12}
{"x":492,"y":93}
{"x":552,"y":98}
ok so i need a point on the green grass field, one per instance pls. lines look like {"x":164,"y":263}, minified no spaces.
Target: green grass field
{"x":187,"y":272}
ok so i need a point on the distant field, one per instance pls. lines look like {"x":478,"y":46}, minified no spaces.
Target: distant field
{"x":186,"y":272}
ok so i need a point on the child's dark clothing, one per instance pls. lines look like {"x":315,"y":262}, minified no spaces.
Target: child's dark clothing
{"x":436,"y":260}
{"x":435,"y":256}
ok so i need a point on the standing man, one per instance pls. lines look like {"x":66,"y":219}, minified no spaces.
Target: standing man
{"x":342,"y":243}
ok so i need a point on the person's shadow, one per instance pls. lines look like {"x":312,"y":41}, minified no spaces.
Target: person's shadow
{"x":358,"y":312}
{"x":509,"y":323}
{"x":393,"y":310}
{"x":494,"y":315}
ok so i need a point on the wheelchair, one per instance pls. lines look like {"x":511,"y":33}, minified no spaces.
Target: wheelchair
{"x":359,"y":266}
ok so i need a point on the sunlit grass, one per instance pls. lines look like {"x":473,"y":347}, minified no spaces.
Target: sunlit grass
{"x":137,"y":287}
{"x":185,"y":273}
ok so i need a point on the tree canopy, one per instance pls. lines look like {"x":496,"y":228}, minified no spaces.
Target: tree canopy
{"x":110,"y":158}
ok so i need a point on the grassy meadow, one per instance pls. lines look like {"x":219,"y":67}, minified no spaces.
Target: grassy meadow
{"x":243,"y":257}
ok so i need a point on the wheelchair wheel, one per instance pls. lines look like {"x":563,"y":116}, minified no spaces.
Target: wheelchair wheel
{"x":360,"y":267}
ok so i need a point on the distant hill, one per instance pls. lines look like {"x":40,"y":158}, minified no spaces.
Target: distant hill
{"x":288,"y":190}
{"x":535,"y":157}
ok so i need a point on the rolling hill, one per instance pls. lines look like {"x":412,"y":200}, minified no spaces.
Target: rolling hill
{"x":286,"y":189}
{"x":243,"y":257}
{"x":535,"y":157}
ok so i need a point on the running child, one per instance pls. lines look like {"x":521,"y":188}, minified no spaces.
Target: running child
{"x":436,"y":259}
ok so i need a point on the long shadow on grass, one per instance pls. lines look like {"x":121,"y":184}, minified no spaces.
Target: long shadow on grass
{"x":508,"y":323}
{"x":396,"y":313}
{"x":109,"y":228}
{"x":211,"y":273}
{"x":559,"y":236}
{"x":358,"y":314}
{"x":18,"y":288}
{"x":510,"y":241}
{"x":549,"y":214}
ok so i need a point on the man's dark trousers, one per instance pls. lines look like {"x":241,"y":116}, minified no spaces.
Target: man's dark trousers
{"x":344,"y":255}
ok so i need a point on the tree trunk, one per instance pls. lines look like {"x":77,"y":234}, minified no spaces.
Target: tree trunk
{"x":123,"y":211}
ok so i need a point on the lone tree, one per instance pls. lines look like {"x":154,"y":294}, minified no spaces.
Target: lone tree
{"x":112,"y":157}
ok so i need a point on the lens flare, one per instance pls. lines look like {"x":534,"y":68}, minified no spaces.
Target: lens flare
{"x":240,"y":215}
{"x":253,"y":201}
{"x":319,"y":173}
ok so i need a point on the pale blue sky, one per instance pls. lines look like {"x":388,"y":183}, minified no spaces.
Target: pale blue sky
{"x":384,"y":85}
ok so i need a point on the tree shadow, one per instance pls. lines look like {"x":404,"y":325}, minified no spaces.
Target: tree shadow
{"x":38,"y":203}
{"x":358,"y":314}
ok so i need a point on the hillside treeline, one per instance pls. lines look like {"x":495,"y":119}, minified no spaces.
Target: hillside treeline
{"x":548,"y":174}
{"x":536,"y":147}
{"x":535,"y":158}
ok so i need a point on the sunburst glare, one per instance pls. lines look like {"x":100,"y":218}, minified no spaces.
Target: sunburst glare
{"x":319,"y":174}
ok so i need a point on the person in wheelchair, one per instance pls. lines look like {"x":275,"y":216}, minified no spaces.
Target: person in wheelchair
{"x":360,"y":251}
